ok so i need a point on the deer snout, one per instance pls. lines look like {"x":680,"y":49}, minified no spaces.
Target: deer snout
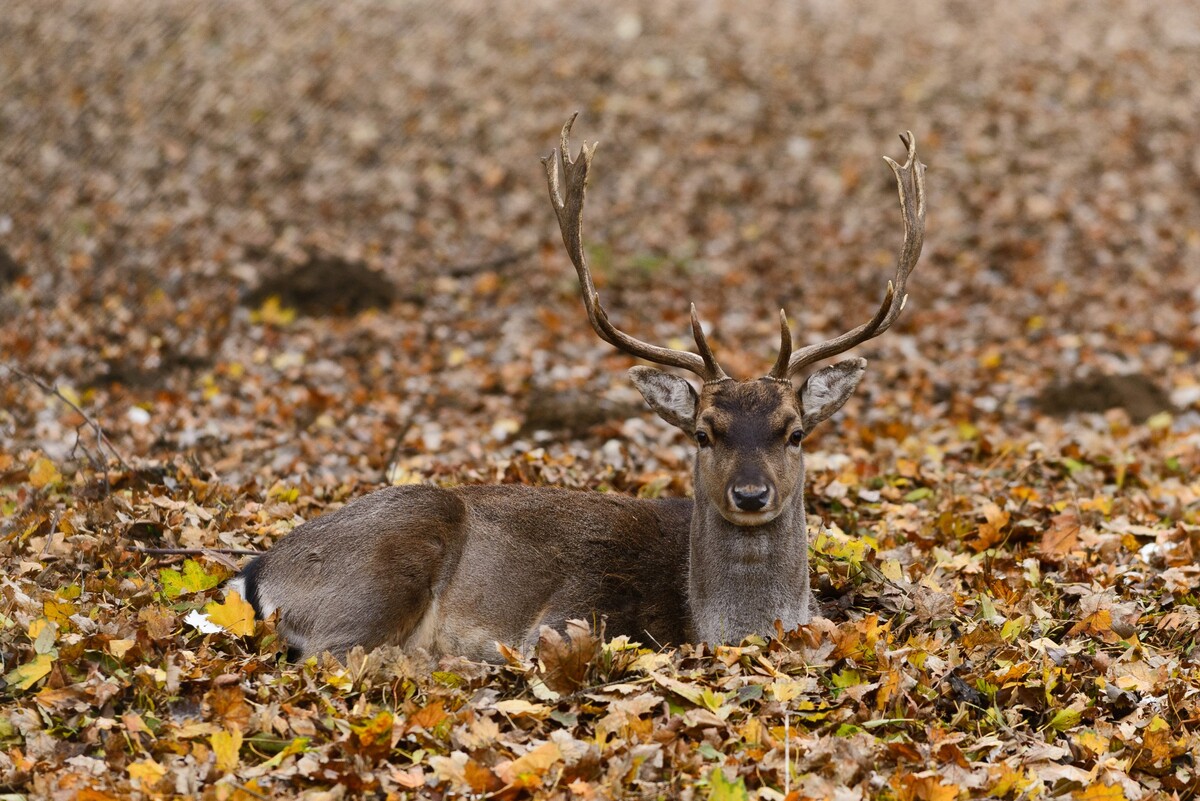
{"x":750,"y":497}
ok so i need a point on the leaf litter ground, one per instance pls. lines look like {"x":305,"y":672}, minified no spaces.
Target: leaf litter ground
{"x":1009,"y":510}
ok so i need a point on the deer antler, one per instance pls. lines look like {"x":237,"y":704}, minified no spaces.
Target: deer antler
{"x":570,"y":219}
{"x":910,"y":180}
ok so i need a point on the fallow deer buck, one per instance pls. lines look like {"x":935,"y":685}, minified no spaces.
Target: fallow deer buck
{"x":456,"y":570}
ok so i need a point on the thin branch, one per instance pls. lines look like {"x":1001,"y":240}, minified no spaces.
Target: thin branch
{"x":102,"y":439}
{"x":395,"y":453}
{"x":196,"y":551}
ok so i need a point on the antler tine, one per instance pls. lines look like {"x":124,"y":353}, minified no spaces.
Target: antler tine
{"x":713,"y":370}
{"x":566,"y":195}
{"x":910,"y":182}
{"x":780,"y":370}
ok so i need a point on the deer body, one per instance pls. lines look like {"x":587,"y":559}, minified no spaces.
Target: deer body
{"x":456,"y":570}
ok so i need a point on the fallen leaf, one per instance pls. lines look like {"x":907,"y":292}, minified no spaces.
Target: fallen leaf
{"x":226,"y":745}
{"x":233,"y":614}
{"x":30,"y":673}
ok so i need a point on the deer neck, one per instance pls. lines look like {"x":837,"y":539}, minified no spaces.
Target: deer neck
{"x":742,"y":579}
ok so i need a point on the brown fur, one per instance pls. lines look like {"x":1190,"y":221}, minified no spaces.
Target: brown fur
{"x":469,"y":566}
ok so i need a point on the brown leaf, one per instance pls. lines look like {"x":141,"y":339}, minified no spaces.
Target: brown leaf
{"x":229,"y":707}
{"x":1061,"y":537}
{"x":565,"y":662}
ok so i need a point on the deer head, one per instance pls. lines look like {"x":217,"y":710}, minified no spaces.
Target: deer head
{"x":748,"y":433}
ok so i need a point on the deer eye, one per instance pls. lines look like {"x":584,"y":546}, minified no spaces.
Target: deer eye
{"x":702,"y":439}
{"x":795,"y":439}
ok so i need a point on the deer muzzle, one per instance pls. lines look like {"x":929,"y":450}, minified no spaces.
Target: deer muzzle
{"x":750,"y":503}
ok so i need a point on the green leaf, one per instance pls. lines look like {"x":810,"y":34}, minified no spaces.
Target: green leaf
{"x":1064,"y":719}
{"x":846,"y":678}
{"x":193,"y":579}
{"x":712,"y":699}
{"x":1072,"y":465}
{"x":918,"y":494}
{"x":721,"y":789}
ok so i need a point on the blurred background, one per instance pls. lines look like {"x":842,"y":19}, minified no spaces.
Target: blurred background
{"x":312,"y":241}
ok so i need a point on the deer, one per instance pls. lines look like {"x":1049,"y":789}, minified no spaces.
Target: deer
{"x":458,"y":570}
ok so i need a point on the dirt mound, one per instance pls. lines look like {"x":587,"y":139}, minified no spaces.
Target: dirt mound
{"x":325,"y":286}
{"x":574,"y":412}
{"x":1135,"y":393}
{"x":10,"y":270}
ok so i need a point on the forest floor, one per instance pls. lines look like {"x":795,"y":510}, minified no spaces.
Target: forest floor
{"x":283,"y":254}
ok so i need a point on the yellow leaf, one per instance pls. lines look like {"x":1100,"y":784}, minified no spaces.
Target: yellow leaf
{"x":30,"y":673}
{"x":226,"y":745}
{"x":59,"y":612}
{"x":43,"y":473}
{"x":1100,"y":792}
{"x":892,"y":570}
{"x":147,"y":772}
{"x":38,"y":626}
{"x":119,"y":648}
{"x":273,"y":312}
{"x":234,"y":614}
{"x":1091,"y":742}
{"x":785,"y":690}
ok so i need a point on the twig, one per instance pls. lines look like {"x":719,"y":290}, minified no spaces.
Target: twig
{"x":195,"y":551}
{"x":391,"y":459}
{"x":102,"y":441}
{"x":787,"y":753}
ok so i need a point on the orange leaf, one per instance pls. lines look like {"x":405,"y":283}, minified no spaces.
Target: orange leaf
{"x":43,"y":473}
{"x":428,"y":717}
{"x":528,"y":770}
{"x":1062,"y":536}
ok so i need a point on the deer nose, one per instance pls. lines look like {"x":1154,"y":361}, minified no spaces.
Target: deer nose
{"x":751,"y":498}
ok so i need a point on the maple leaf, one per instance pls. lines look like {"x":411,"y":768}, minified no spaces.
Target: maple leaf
{"x":234,"y":614}
{"x":227,"y":745}
{"x":193,"y":579}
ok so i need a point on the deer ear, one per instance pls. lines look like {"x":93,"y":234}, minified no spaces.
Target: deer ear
{"x":827,"y":389}
{"x":670,"y":396}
